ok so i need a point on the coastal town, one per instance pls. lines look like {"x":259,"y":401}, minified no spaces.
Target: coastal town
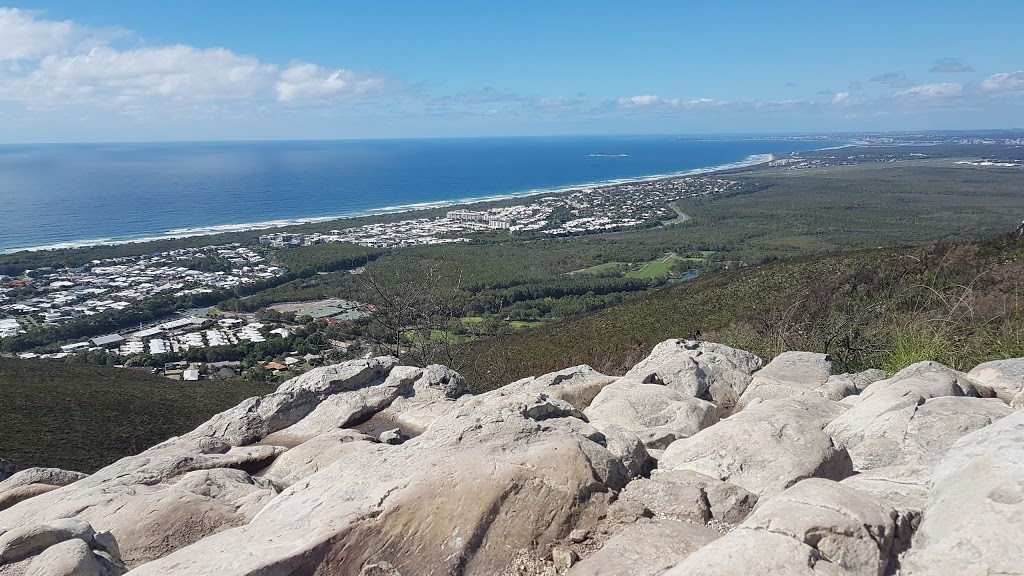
{"x":50,"y":297}
{"x":581,"y":211}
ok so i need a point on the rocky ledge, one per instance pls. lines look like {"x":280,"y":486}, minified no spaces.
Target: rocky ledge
{"x":699,"y":461}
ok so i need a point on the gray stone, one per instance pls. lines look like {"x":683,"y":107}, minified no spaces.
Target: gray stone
{"x":67,"y":558}
{"x":744,"y":551}
{"x":707,"y":370}
{"x":1004,"y":377}
{"x":766,"y":448}
{"x":849,"y":528}
{"x":656,"y":413}
{"x":671,"y":500}
{"x":626,"y":446}
{"x":577,"y":385}
{"x":392,"y":437}
{"x":645,"y":549}
{"x":972,"y":523}
{"x":496,"y":475}
{"x":913,"y":417}
{"x":314,"y":455}
{"x":728,"y":503}
{"x":256,"y":418}
{"x":841,"y":386}
{"x":25,"y":541}
{"x":789,"y":374}
{"x":563,"y":559}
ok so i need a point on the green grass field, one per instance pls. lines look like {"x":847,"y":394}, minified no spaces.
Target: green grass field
{"x":655,"y":269}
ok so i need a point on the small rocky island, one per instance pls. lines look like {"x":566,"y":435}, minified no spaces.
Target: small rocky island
{"x":698,"y":461}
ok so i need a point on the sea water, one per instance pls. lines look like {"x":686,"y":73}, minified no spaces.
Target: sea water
{"x":78,"y":194}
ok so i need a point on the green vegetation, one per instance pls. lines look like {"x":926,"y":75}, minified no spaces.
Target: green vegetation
{"x":85,"y":417}
{"x":955,"y":303}
{"x":656,"y":269}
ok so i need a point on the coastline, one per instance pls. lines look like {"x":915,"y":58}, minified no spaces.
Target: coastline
{"x":751,"y":162}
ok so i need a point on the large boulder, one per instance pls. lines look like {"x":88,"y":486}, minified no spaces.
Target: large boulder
{"x":578,"y":385}
{"x":1004,"y":377}
{"x":72,"y":558}
{"x":645,"y":549}
{"x":183,"y":490}
{"x":905,"y":488}
{"x":746,"y":551}
{"x":913,"y":417}
{"x":658,"y":414}
{"x":840,"y":386}
{"x":26,"y":541}
{"x":314,"y":455}
{"x":256,"y":418}
{"x":972,"y":523}
{"x":765,"y":448}
{"x":498,"y":474}
{"x":727,"y":503}
{"x":676,"y":501}
{"x":849,"y":528}
{"x":705,"y":370}
{"x":350,"y":408}
{"x":32,"y":482}
{"x":789,"y":374}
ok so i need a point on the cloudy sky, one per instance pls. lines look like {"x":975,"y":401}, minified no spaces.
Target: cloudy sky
{"x":110,"y":70}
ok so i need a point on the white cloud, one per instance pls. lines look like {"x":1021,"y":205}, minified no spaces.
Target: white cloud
{"x":633,"y":101}
{"x":841,"y":98}
{"x":1004,"y":82}
{"x":104,"y":76}
{"x":302,"y":81}
{"x":649,"y":101}
{"x":52,"y":64}
{"x":23,"y":37}
{"x":932,"y":91}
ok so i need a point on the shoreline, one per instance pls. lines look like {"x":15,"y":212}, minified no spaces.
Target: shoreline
{"x":750,"y":162}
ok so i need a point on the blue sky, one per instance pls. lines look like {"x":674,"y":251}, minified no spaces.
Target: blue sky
{"x":196,"y":70}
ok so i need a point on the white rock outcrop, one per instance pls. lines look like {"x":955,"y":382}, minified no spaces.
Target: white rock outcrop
{"x":766,"y":448}
{"x":698,"y":462}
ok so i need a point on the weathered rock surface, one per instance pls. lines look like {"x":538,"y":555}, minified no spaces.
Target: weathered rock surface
{"x":904,"y":488}
{"x":72,"y":558}
{"x":1004,"y":377}
{"x":727,"y":503}
{"x":23,"y":542}
{"x":766,"y":448}
{"x":745,"y":551}
{"x":645,"y":549}
{"x":850,"y":529}
{"x":497,"y":474}
{"x":552,"y":475}
{"x":913,"y":417}
{"x":672,"y":500}
{"x":789,"y":374}
{"x":314,"y":455}
{"x":840,"y":386}
{"x":578,"y":385}
{"x":256,"y":418}
{"x":699,"y":369}
{"x":972,"y":522}
{"x":658,"y":414}
{"x":32,"y":482}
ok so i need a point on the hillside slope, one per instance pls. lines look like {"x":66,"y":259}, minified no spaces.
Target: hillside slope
{"x":85,"y":417}
{"x":957,"y":303}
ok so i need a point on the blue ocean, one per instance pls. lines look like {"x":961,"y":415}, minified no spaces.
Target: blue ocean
{"x":79,"y":194}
